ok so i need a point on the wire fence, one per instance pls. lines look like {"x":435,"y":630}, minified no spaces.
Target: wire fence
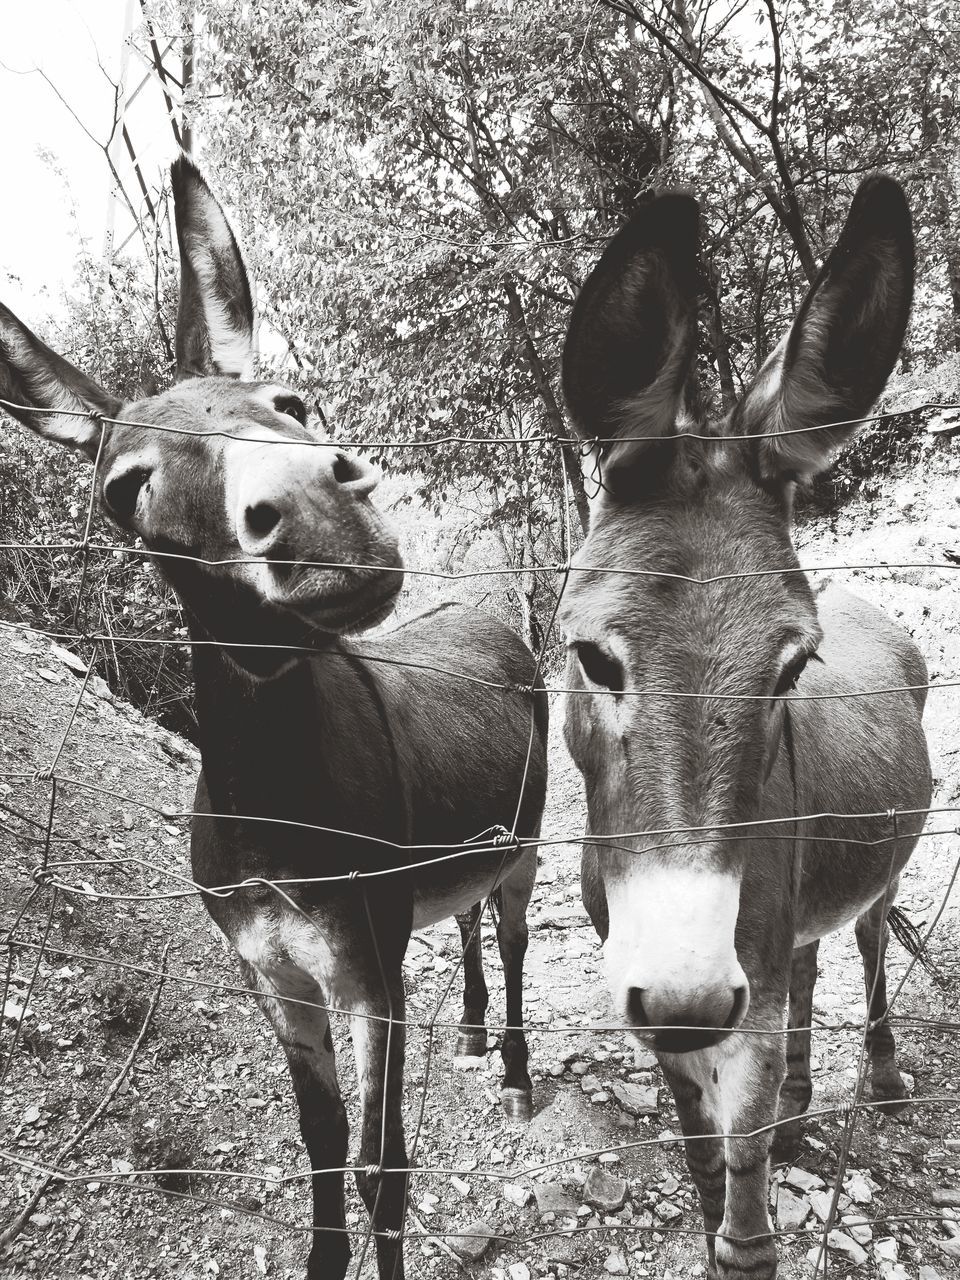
{"x":56,"y":879}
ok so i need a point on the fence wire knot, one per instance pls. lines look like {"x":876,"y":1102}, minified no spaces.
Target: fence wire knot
{"x":497,"y":835}
{"x":42,"y":876}
{"x":373,"y":1170}
{"x":519,"y":688}
{"x":846,"y":1109}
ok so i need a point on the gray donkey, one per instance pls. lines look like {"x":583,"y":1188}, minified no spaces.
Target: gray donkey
{"x":689,"y":627}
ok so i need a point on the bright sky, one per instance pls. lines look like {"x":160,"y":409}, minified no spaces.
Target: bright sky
{"x":57,"y":178}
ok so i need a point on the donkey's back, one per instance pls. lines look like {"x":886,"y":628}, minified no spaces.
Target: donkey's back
{"x":476,"y":676}
{"x":479,"y":755}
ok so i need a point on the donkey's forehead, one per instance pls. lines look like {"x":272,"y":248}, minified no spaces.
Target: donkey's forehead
{"x":708,"y":522}
{"x":208,"y":405}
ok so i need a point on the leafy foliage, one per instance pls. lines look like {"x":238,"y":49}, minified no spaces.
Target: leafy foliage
{"x":424,"y":184}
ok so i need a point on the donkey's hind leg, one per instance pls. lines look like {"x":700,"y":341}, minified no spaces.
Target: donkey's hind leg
{"x":512,"y":899}
{"x":303,"y":1030}
{"x":886,"y":1083}
{"x":472,"y":1034}
{"x":796,"y":1089}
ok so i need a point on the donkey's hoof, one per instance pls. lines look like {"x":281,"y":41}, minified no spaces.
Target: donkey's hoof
{"x":517,"y":1104}
{"x":888,"y":1087}
{"x":471,"y":1044}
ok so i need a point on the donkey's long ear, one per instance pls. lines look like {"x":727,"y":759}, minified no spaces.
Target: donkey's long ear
{"x":33,"y":377}
{"x":844,"y":343}
{"x":215,"y":324}
{"x":632,"y":332}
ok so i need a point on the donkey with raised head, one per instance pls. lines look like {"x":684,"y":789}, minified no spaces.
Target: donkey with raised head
{"x":339,"y":783}
{"x":690,"y":625}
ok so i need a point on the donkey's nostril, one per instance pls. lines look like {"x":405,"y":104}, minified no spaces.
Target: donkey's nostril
{"x":261,"y":519}
{"x":635,"y":1010}
{"x":347,"y":469}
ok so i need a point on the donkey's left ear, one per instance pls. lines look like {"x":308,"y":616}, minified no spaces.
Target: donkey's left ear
{"x":215,"y":324}
{"x":843,"y":345}
{"x":47,"y":394}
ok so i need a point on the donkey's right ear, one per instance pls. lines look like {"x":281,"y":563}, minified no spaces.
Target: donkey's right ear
{"x":215,"y":324}
{"x":32,"y":378}
{"x":632,"y":332}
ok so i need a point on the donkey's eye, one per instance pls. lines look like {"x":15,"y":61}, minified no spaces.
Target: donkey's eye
{"x":293,"y":407}
{"x":790,"y":674}
{"x":599,"y":667}
{"x":121,"y":492}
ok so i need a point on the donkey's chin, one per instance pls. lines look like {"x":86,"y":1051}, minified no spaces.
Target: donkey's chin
{"x":369,"y":604}
{"x":683,"y":1039}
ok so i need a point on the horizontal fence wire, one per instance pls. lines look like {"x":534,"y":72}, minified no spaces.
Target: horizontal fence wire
{"x":49,"y":881}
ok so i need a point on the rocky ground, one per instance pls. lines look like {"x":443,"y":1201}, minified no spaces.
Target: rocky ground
{"x":574,"y":1193}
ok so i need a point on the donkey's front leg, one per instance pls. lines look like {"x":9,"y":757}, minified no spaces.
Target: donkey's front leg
{"x":696,"y":1098}
{"x":732,"y":1090}
{"x":303,"y":1030}
{"x":750,"y":1070}
{"x":797,"y":1088}
{"x":378,"y":1042}
{"x":378,"y":1029}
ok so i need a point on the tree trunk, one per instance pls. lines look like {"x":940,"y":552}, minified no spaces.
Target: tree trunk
{"x":552,"y":412}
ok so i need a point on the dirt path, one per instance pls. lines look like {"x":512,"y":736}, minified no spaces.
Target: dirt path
{"x":208,"y":1089}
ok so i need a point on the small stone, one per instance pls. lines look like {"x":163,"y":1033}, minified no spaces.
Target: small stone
{"x":518,"y":1271}
{"x":579,"y":1068}
{"x":669,"y":1186}
{"x":460,"y":1185}
{"x":609,"y":1157}
{"x":643,"y":1060}
{"x":840,"y":1242}
{"x":858,"y":1227}
{"x":816,"y":1260}
{"x":929,"y":1273}
{"x":859,"y":1188}
{"x":554,"y":1198}
{"x":474,"y":1242}
{"x":589,"y":1084}
{"x":792,"y":1210}
{"x":886,"y":1250}
{"x":666,"y":1211}
{"x":820,"y":1202}
{"x":42,"y":1221}
{"x":615,"y":1264}
{"x":556,"y":1069}
{"x":801,"y":1180}
{"x":950,"y":1247}
{"x":945,"y":1198}
{"x":637,"y":1099}
{"x":517,"y":1194}
{"x":604,"y":1191}
{"x":600,"y":1097}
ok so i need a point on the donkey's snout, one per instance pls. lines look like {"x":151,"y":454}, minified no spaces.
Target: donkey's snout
{"x":683,"y":1021}
{"x":288,"y":497}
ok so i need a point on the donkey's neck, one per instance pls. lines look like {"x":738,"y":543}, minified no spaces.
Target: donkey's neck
{"x":264,"y":742}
